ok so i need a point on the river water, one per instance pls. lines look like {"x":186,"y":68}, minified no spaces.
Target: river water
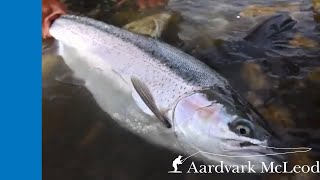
{"x":280,"y":76}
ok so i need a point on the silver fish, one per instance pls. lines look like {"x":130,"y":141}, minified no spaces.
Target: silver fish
{"x":194,"y":110}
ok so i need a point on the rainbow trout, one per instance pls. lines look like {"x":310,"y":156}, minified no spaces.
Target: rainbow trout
{"x":162,"y":94}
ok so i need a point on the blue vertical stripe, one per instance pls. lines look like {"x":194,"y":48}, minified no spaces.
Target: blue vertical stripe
{"x":20,"y":76}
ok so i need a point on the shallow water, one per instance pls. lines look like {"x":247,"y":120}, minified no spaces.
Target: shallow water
{"x":80,"y":141}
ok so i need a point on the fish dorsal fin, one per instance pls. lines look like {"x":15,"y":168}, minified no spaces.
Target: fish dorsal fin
{"x":147,"y":98}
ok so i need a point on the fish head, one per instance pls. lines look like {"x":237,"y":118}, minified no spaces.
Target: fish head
{"x":223,"y":127}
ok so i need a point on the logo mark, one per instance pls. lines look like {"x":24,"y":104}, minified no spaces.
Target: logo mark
{"x":178,"y":160}
{"x":175,"y":163}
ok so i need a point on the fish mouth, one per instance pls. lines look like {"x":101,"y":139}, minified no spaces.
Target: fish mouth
{"x":251,"y":150}
{"x":273,"y":156}
{"x":275,"y":148}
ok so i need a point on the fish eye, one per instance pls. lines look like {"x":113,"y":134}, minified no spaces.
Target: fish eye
{"x":243,"y":127}
{"x":243,"y":130}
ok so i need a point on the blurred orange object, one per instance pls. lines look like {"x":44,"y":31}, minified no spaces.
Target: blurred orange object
{"x":51,"y":10}
{"x":149,"y":3}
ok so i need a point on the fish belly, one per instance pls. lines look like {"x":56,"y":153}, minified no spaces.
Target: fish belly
{"x":113,"y":93}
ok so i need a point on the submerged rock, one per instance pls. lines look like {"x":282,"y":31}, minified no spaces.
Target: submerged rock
{"x":254,"y":76}
{"x":254,"y":99}
{"x":299,"y":41}
{"x":316,"y":6}
{"x":316,"y":9}
{"x":258,"y":10}
{"x":314,"y":76}
{"x":124,"y":17}
{"x":151,"y":25}
{"x":279,"y":115}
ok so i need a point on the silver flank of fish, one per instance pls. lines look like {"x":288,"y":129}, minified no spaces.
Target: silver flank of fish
{"x":169,"y":73}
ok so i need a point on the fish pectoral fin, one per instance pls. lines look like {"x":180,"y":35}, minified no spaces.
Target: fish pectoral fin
{"x":147,"y":98}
